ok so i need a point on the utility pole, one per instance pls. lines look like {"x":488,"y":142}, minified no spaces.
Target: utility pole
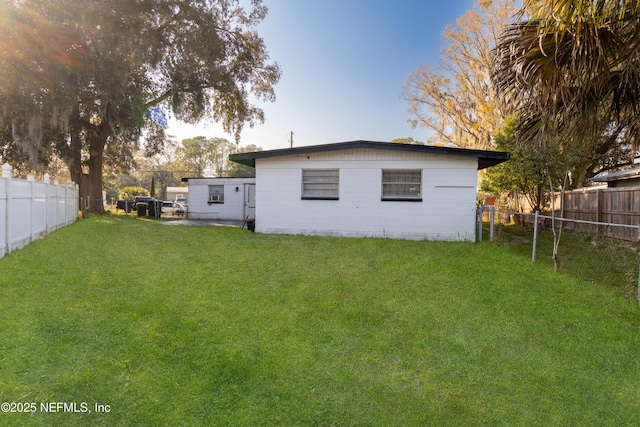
{"x":291,"y":139}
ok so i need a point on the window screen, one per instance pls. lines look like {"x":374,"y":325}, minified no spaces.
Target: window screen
{"x":216,"y":194}
{"x":320,"y":184}
{"x":402,"y":185}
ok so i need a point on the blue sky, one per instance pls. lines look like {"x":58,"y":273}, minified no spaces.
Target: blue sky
{"x":344,"y":63}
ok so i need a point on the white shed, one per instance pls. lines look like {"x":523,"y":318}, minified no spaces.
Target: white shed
{"x":177,"y":193}
{"x":369,"y":189}
{"x":221,"y":198}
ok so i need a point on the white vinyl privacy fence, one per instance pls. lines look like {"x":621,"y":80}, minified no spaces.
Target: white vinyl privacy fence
{"x":30,"y":210}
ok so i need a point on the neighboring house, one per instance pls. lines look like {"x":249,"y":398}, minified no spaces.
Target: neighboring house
{"x":366,"y":188}
{"x":624,"y":178}
{"x":221,"y":198}
{"x":177,"y":193}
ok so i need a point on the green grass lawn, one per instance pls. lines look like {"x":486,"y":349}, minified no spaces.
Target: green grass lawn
{"x":193,"y":326}
{"x":603,"y":261}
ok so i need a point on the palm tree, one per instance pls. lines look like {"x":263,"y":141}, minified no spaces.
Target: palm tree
{"x":573,"y":68}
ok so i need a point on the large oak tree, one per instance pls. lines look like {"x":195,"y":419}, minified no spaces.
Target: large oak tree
{"x":89,"y":80}
{"x":456,"y":99}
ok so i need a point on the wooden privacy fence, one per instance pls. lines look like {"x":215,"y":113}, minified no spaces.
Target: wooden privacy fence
{"x":606,"y":206}
{"x":30,"y":210}
{"x":607,"y":212}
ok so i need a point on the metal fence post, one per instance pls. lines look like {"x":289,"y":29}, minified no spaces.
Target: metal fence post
{"x":535,"y":236}
{"x":491,"y":222}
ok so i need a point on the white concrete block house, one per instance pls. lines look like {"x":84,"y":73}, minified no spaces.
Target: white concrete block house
{"x":368,"y":189}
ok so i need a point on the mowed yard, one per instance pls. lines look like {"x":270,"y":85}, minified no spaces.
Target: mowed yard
{"x":204,"y":326}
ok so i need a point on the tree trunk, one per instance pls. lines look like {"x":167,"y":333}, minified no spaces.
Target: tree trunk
{"x":73,"y":153}
{"x":74,"y":163}
{"x":557,"y":235}
{"x":94,"y":177}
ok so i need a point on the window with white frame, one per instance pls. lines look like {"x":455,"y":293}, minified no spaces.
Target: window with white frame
{"x":320,"y":184}
{"x":402,"y":185}
{"x":216,"y":194}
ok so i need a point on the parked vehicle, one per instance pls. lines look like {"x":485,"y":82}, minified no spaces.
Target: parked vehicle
{"x":123,"y":204}
{"x":173,"y":208}
{"x":181,"y":201}
{"x":120,"y":204}
{"x":143,"y":199}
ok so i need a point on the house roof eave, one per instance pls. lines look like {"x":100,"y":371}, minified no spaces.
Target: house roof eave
{"x":485,"y":158}
{"x":617,"y":176}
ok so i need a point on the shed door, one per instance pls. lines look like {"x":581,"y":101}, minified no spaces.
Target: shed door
{"x":249,"y":200}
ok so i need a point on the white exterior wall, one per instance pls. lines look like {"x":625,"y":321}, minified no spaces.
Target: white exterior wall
{"x":233,"y":207}
{"x":447,"y":210}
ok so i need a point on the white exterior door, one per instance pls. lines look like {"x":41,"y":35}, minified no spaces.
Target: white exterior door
{"x":249,"y":200}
